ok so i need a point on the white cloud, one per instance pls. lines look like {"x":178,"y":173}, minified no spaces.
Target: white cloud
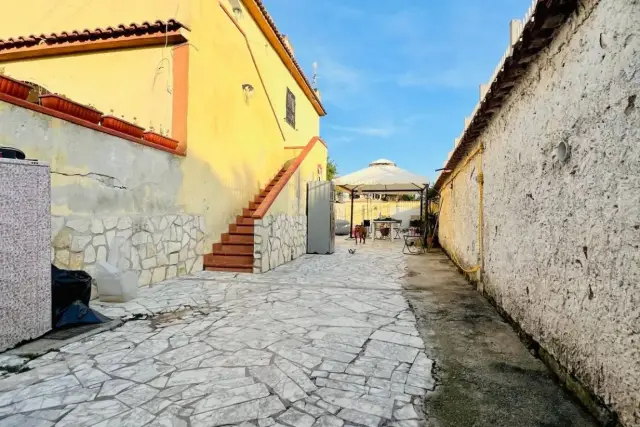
{"x":375,"y":131}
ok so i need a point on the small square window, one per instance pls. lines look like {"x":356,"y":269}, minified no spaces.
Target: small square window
{"x":291,"y":108}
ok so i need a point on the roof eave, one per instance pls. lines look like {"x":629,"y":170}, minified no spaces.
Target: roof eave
{"x":259,"y":13}
{"x":545,"y":17}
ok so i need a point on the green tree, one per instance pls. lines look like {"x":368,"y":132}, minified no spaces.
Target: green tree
{"x":332,"y":169}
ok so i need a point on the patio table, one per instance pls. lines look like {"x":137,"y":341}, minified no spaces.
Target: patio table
{"x":377,"y":225}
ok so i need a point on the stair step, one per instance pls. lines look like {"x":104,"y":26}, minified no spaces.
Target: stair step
{"x":232,"y":249}
{"x":231,"y":269}
{"x":266,"y":190}
{"x":235,"y":251}
{"x":228,"y":238}
{"x":241,"y":220}
{"x":248,"y":213}
{"x":241,"y":229}
{"x":215,"y":260}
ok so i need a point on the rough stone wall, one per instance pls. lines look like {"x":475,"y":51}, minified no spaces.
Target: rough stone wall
{"x":562,"y":236}
{"x":156,"y":247}
{"x":278,"y":239}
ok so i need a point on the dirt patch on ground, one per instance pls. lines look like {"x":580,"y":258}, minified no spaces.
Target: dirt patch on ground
{"x":486,"y":376}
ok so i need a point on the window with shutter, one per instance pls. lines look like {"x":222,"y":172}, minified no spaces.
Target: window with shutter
{"x":291,"y":108}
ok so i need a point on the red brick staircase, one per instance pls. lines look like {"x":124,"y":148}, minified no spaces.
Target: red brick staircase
{"x":235,"y":251}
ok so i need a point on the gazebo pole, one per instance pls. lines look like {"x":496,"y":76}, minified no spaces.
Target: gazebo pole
{"x":351,"y":223}
{"x":426,"y":215}
{"x":422,"y":207}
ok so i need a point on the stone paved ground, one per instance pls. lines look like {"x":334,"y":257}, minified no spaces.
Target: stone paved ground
{"x":322,"y":341}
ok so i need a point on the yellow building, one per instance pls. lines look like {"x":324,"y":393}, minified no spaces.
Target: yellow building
{"x":217,"y":76}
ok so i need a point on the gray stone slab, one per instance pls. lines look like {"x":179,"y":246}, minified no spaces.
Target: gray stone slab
{"x":391,"y":351}
{"x":143,"y":372}
{"x":202,"y":375}
{"x":380,"y":407}
{"x":255,"y":409}
{"x":133,"y":418}
{"x":309,"y":408}
{"x":179,"y":355}
{"x":359,"y":418}
{"x":296,"y":374}
{"x":20,"y":420}
{"x":230,"y":397}
{"x":348,"y":378}
{"x":328,"y":421}
{"x":91,"y":413}
{"x":138,"y":395}
{"x":296,"y":418}
{"x":398,"y":338}
{"x":245,"y":357}
{"x":215,"y":386}
{"x":406,"y":412}
{"x":339,"y":385}
{"x":333,"y":366}
{"x":347,"y":348}
{"x":280,"y":383}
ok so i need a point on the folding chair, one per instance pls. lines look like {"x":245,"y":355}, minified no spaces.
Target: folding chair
{"x":414,"y":244}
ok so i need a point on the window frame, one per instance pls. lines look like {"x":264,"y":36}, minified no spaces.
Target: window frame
{"x":290,"y":109}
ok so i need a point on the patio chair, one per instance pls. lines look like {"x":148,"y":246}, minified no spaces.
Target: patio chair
{"x":414,"y":244}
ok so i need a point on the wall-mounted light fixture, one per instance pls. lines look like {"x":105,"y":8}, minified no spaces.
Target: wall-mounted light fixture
{"x":237,"y":9}
{"x":248,"y":91}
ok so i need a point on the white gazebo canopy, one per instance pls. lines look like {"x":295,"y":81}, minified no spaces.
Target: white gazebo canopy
{"x":382,"y":176}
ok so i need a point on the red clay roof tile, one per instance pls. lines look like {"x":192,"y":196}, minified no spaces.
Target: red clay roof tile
{"x":86,"y":34}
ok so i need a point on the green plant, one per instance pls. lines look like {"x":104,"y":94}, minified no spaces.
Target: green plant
{"x":332,"y":169}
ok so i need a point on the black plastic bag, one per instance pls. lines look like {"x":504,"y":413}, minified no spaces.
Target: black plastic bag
{"x":70,"y":296}
{"x":79,"y":314}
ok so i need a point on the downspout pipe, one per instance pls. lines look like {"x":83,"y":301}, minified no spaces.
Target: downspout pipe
{"x":480,"y":218}
{"x":477,"y":269}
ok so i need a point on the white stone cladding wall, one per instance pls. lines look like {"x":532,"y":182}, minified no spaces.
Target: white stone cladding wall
{"x":562,"y":238}
{"x":278,"y":239}
{"x":157,"y":247}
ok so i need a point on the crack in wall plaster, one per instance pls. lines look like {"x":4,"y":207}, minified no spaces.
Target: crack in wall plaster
{"x":106,"y":180}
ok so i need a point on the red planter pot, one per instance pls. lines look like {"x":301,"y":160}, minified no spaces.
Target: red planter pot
{"x":165,"y":141}
{"x":72,"y":108}
{"x":14,"y":88}
{"x":123,"y":126}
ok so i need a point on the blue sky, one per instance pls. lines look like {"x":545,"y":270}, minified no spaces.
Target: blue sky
{"x":397,"y":77}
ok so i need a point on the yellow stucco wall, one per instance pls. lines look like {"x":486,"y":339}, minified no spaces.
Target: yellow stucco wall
{"x":459,"y":199}
{"x":292,"y":198}
{"x":134,"y":83}
{"x":277,"y":82}
{"x":235,"y":144}
{"x":372,"y":209}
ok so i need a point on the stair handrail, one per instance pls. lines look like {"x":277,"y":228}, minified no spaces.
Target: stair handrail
{"x":279,"y":186}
